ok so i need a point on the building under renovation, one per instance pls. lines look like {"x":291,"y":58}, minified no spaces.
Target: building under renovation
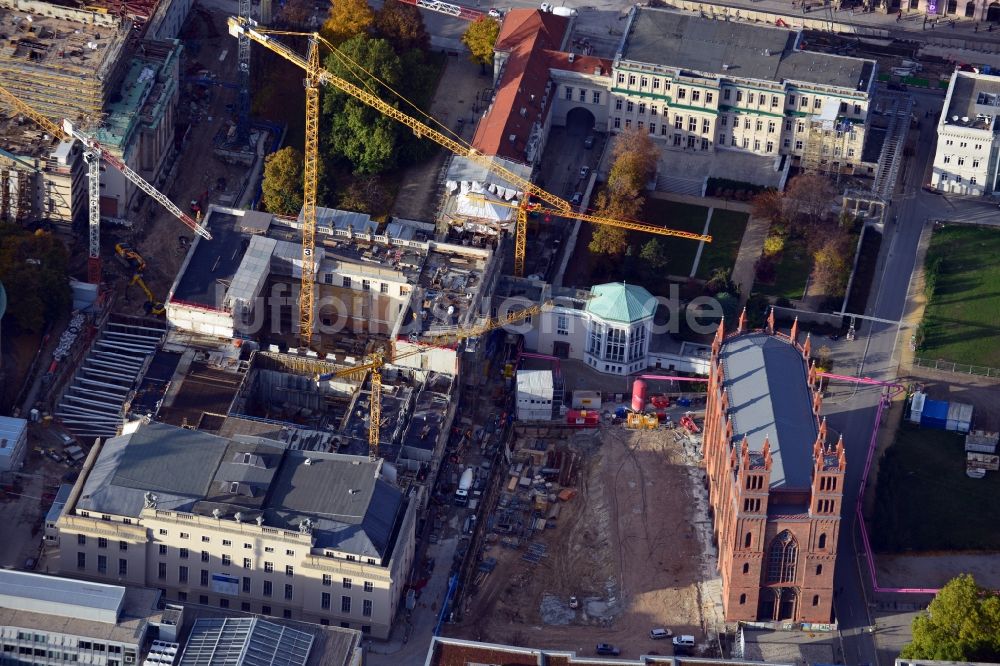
{"x":377,"y":285}
{"x":93,"y":68}
{"x":63,"y":62}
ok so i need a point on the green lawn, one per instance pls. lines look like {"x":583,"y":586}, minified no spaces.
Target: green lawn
{"x":726,"y":229}
{"x":925,"y":502}
{"x":791,"y":273}
{"x":684,"y":217}
{"x":962,"y":320}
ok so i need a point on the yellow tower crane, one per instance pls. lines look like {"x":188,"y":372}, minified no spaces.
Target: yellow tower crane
{"x":316,"y":75}
{"x":377,"y":359}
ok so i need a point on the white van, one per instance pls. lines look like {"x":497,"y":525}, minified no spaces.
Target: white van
{"x":684,"y":641}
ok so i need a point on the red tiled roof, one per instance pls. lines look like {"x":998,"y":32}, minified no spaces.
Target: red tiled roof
{"x":528,"y":35}
{"x":521,"y":25}
{"x":581,"y":64}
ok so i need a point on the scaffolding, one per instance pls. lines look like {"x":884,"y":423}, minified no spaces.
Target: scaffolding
{"x":66,"y":63}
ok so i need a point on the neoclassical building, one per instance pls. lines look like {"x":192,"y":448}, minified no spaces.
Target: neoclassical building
{"x":775,"y":483}
{"x":610,"y":330}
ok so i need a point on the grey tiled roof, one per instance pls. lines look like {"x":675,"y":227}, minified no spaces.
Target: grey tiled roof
{"x":736,"y":49}
{"x":769,"y":397}
{"x":350,"y":508}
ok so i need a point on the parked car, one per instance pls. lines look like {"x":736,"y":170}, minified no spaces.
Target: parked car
{"x":495,"y":13}
{"x":930,"y":189}
{"x":685,"y":641}
{"x":589,"y":141}
{"x":584,"y":171}
{"x":659,"y":634}
{"x":574,"y":603}
{"x":607,"y":649}
{"x":545,"y":7}
{"x":577,"y":199}
{"x":55,"y":456}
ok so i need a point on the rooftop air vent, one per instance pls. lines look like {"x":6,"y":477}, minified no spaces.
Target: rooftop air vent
{"x":309,"y":461}
{"x":572,"y":57}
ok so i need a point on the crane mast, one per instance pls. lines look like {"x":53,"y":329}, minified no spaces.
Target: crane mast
{"x":93,"y":154}
{"x":241,"y":28}
{"x":376,"y":360}
{"x":310,"y":179}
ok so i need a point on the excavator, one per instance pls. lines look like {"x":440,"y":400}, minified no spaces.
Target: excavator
{"x":131,"y":258}
{"x":135,"y":261}
{"x":152,"y":306}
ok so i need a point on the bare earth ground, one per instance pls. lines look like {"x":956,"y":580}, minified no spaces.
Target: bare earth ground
{"x":634,"y":546}
{"x":933,"y":570}
{"x":198,"y":169}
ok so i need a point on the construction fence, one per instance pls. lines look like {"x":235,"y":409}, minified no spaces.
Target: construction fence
{"x":957,"y":368}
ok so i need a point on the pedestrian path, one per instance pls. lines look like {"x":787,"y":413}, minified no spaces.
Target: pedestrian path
{"x":752,"y":246}
{"x":701,"y":244}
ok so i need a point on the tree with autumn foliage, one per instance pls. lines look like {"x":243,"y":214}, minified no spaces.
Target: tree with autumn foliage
{"x":480,"y":37}
{"x":347,"y":19}
{"x":832,"y":263}
{"x":402,"y":26}
{"x":281,"y":188}
{"x":635,"y":157}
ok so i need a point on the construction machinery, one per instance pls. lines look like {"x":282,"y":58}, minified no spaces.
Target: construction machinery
{"x":130,"y":257}
{"x":243,"y":28}
{"x":377,"y":359}
{"x":151,"y":306}
{"x":94,"y":153}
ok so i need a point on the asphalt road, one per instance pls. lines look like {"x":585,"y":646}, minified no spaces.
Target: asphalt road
{"x":875,"y":354}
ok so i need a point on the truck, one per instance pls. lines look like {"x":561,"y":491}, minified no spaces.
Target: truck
{"x":464,"y":485}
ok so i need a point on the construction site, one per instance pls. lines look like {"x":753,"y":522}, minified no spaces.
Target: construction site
{"x":333,"y":331}
{"x":592,"y":534}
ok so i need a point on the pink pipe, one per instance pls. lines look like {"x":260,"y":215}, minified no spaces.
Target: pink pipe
{"x":894,"y":390}
{"x":671,"y":378}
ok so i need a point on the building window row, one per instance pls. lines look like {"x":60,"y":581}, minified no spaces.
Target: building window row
{"x":581,"y":95}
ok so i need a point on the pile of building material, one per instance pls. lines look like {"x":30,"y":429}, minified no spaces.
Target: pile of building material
{"x":980,"y":453}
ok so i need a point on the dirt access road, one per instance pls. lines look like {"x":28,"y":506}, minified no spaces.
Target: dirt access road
{"x":633,"y":546}
{"x":210,"y":52}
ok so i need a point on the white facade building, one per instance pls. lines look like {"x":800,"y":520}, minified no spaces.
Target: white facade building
{"x":965,"y":160}
{"x":610,"y":332}
{"x":702,"y":85}
{"x":242,"y":524}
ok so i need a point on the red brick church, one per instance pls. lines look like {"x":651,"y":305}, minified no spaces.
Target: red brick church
{"x":775,"y":483}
